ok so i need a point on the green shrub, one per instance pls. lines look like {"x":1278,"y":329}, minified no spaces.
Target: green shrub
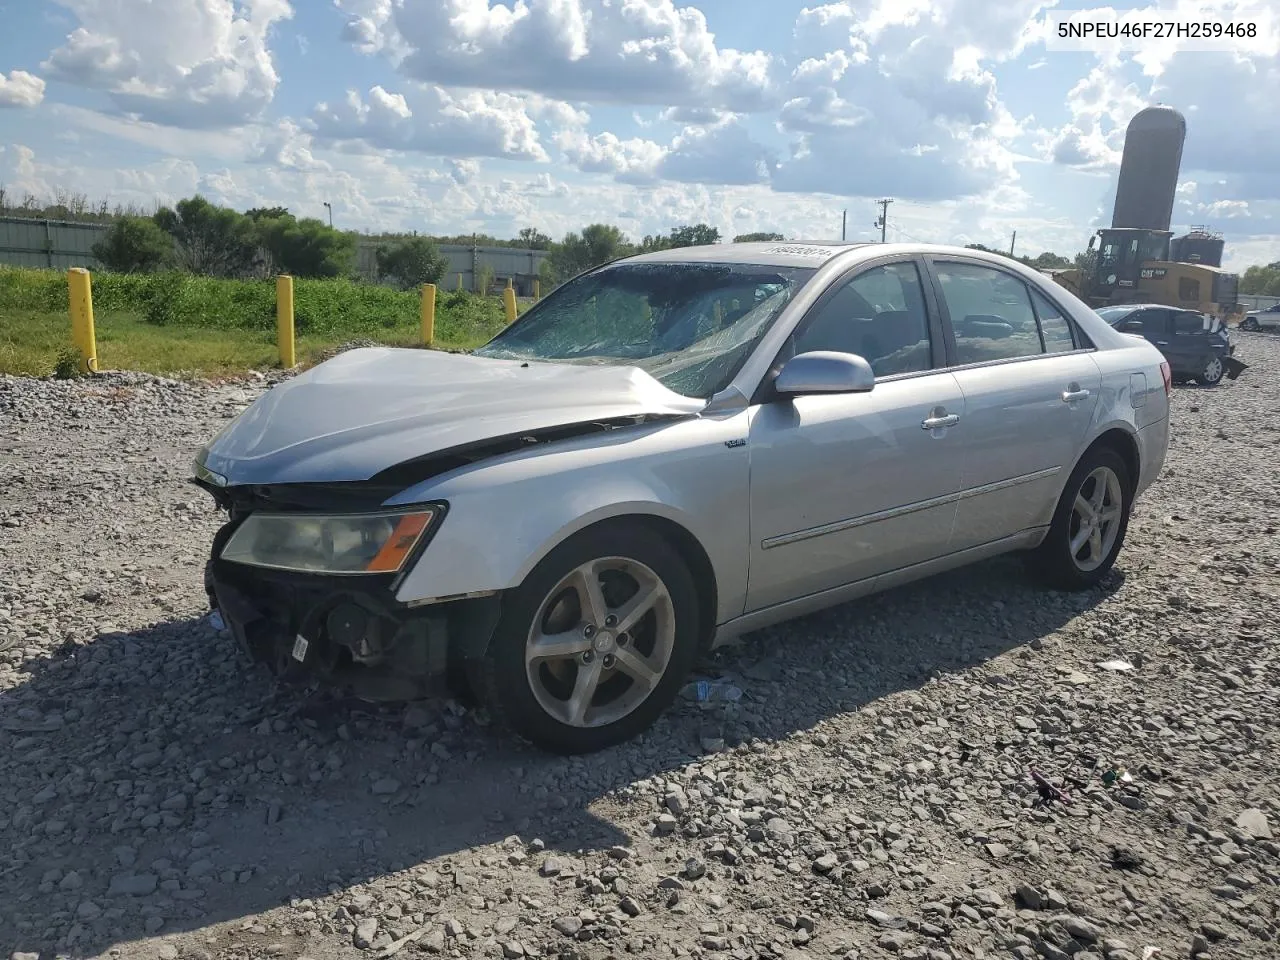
{"x":338,"y":309}
{"x":67,"y":364}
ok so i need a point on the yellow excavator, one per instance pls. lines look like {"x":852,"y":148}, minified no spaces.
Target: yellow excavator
{"x":1138,"y":259}
{"x":1137,"y":265}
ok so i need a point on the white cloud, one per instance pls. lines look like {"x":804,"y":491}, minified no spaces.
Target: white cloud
{"x":21,"y":89}
{"x":722,"y":153}
{"x":183,"y":63}
{"x":634,"y":160}
{"x":432,"y":120}
{"x":606,"y":51}
{"x":286,"y":145}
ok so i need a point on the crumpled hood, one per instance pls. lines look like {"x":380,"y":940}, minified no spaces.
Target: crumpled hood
{"x":368,"y":409}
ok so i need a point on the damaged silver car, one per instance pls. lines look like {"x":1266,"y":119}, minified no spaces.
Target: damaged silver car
{"x":668,"y":451}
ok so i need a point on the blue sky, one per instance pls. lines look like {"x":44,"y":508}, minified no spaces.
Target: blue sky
{"x":449,"y":116}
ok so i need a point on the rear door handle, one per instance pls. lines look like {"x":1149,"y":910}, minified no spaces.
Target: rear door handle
{"x":1072,"y":395}
{"x":934,"y":423}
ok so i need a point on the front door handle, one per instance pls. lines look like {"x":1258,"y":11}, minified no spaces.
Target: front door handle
{"x":935,"y":423}
{"x":1070,"y":396}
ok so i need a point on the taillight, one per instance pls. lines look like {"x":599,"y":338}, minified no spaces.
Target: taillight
{"x":1167,"y":376}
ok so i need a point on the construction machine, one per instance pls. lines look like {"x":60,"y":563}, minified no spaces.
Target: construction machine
{"x":1138,"y":259}
{"x":1138,"y":265}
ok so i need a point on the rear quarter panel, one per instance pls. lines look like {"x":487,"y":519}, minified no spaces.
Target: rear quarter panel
{"x":506,"y":514}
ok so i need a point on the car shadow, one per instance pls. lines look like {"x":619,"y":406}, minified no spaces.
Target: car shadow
{"x":157,"y":753}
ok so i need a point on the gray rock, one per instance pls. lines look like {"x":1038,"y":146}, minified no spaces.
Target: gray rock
{"x":569,"y":926}
{"x":385,"y":787}
{"x":133,"y":885}
{"x":366,"y":931}
{"x":552,"y":867}
{"x":1254,"y":823}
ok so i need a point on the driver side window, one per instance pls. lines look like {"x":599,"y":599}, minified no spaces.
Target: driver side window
{"x":878,"y":315}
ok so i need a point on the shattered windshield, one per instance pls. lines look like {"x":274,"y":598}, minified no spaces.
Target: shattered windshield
{"x":691,"y":326}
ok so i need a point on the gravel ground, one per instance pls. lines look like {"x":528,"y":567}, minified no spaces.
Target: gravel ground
{"x":869,"y":796}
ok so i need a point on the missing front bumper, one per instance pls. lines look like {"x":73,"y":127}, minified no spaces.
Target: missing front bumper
{"x":345,"y":632}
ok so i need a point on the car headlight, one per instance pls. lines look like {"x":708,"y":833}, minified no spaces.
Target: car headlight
{"x":347,"y":544}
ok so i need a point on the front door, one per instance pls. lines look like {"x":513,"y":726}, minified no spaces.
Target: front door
{"x":1030,"y":391}
{"x":845,"y":487}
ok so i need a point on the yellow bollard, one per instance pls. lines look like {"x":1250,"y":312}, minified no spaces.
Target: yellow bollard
{"x":284,"y":321}
{"x":459,"y":281}
{"x":428,"y":313}
{"x":537,"y":289}
{"x":509,"y":302}
{"x":83,"y":336}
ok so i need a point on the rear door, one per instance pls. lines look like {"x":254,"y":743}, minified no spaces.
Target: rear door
{"x":1030,"y":389}
{"x":1189,"y":344}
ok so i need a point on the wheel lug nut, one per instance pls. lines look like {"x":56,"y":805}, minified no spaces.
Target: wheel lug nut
{"x":622,"y":639}
{"x":608,"y":662}
{"x":610,"y":620}
{"x":588,"y":656}
{"x":589,"y":631}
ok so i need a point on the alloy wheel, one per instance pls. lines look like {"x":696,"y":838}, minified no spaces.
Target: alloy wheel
{"x":600,"y":643}
{"x":1095,"y":518}
{"x":1212,"y":370}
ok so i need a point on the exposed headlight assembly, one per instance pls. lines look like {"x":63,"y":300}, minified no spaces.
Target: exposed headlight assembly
{"x":340,"y":544}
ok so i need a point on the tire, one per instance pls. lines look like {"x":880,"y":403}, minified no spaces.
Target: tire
{"x":521,"y":691}
{"x":1249,"y":324}
{"x":1212,"y":373}
{"x":1054,"y":561}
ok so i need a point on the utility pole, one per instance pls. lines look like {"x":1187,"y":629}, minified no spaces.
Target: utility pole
{"x":1012,"y":242}
{"x":844,"y":222}
{"x":883,"y":222}
{"x":328,"y":206}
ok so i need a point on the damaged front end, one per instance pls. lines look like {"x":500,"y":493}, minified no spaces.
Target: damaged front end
{"x":338,"y":622}
{"x":325,"y":607}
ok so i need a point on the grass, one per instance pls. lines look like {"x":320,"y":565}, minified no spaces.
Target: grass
{"x":180,"y":324}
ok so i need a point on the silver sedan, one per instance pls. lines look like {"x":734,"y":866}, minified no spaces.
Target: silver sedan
{"x":665,"y":452}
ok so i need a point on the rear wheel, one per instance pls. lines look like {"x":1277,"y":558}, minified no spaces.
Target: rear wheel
{"x":1212,"y":373}
{"x":1089,"y":524}
{"x":593,"y":646}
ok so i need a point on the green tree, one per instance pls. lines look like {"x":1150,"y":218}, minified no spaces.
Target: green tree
{"x":533,"y":239}
{"x":756,"y":237}
{"x":212,"y":240}
{"x":687,"y":236}
{"x":1049,"y":261}
{"x":411,"y":263}
{"x":598,"y":243}
{"x":303,"y":248}
{"x":134,"y":245}
{"x":1261,"y":281}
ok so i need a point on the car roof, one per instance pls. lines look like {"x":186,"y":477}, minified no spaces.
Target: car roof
{"x":801,"y":253}
{"x":777,"y":253}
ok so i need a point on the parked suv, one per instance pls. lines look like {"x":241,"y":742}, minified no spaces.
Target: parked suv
{"x":1268,"y":319}
{"x":1197,"y":347}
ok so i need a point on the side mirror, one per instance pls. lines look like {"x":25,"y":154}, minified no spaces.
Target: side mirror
{"x":825,"y":371}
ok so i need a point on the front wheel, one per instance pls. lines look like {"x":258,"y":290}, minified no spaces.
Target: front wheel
{"x":1089,"y":524}
{"x":1249,"y":323}
{"x":595,"y":643}
{"x":1212,"y":374}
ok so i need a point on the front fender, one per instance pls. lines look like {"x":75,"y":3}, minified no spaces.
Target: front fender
{"x":506,"y":514}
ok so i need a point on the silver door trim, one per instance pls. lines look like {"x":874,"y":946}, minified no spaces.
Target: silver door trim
{"x":840,"y":525}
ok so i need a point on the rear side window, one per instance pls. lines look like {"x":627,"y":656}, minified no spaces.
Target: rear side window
{"x":1054,"y":327}
{"x":1188,"y":325}
{"x":878,"y":315}
{"x":991,"y":313}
